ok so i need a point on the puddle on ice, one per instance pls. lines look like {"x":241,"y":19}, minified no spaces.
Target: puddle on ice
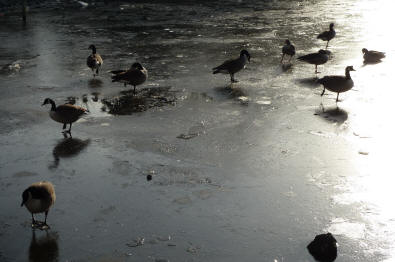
{"x":128,"y":102}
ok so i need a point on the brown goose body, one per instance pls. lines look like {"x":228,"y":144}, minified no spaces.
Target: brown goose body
{"x":372,"y":56}
{"x":288,"y":49}
{"x":337,"y":84}
{"x":65,"y":114}
{"x":327,"y":35}
{"x":319,"y":58}
{"x":135,"y":76}
{"x":38,"y":198}
{"x":233,"y":66}
{"x":94,"y":61}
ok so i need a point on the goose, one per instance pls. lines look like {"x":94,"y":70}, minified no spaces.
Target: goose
{"x":65,"y":114}
{"x":327,"y":35}
{"x":337,"y":84}
{"x":38,"y":198}
{"x":288,"y":49}
{"x":371,"y":56}
{"x":135,"y":76}
{"x":94,"y":61}
{"x":319,"y":58}
{"x":233,"y":66}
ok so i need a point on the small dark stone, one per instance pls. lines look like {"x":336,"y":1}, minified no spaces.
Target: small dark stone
{"x":149,"y":177}
{"x":323,"y":248}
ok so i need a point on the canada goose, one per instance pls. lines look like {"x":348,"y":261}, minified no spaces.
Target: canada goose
{"x":135,"y":76}
{"x":65,"y":114}
{"x":319,"y":58}
{"x":371,"y":56}
{"x":288,"y":49}
{"x":233,"y":66}
{"x":337,"y":84}
{"x":38,"y":198}
{"x":327,"y":35}
{"x":94,"y":61}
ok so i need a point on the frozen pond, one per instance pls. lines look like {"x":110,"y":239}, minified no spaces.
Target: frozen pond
{"x":233,"y":179}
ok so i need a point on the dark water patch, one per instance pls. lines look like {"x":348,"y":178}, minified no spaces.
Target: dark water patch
{"x":129,"y":102}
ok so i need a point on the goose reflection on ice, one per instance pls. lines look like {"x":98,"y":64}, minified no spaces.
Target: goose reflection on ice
{"x":332,"y":114}
{"x":95,"y":83}
{"x":67,"y":147}
{"x":44,"y":248}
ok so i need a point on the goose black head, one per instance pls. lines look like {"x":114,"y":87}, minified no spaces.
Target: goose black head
{"x":350,"y":68}
{"x":93,"y":48}
{"x":287,"y":42}
{"x":137,"y":65}
{"x":364,"y":50}
{"x":245,"y":52}
{"x":25,"y":196}
{"x":331,"y":26}
{"x":47,"y":101}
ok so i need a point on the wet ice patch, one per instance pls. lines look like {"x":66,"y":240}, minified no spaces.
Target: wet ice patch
{"x":263,"y":102}
{"x":128,"y":102}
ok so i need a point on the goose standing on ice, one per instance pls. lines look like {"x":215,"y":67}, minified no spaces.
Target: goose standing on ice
{"x":327,"y":35}
{"x":38,"y":198}
{"x":233,"y":66}
{"x":371,"y":56}
{"x":337,"y":84}
{"x":288,"y":49}
{"x":94,"y":61}
{"x":319,"y":58}
{"x":65,"y":114}
{"x":134,"y":76}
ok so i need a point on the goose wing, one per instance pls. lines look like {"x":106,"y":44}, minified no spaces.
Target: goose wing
{"x":94,"y":60}
{"x":70,"y":111}
{"x":329,"y":81}
{"x":133,"y":76}
{"x":289,"y":50}
{"x":226,"y":66}
{"x":314,"y":58}
{"x":377,"y":54}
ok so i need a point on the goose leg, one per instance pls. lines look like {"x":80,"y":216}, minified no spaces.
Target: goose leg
{"x":323,"y":91}
{"x":64,"y":127}
{"x":69,"y":131}
{"x":337,"y":98}
{"x":232,"y":79}
{"x":290,"y":58}
{"x":45,"y":221}
{"x":316,"y":69}
{"x":327,"y":43}
{"x":33,"y":221}
{"x":282,"y":58}
{"x":134,"y":89}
